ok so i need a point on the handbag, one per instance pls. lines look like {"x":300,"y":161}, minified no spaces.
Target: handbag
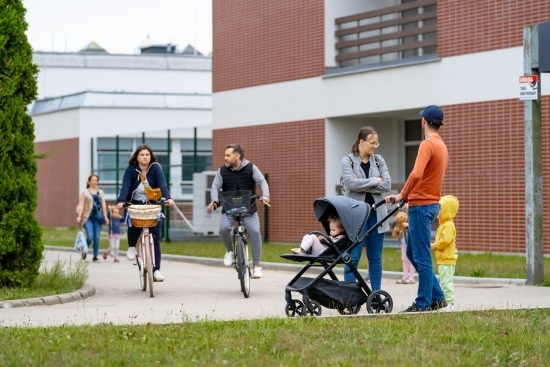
{"x":99,"y":213}
{"x":152,"y":194}
{"x":80,"y":244}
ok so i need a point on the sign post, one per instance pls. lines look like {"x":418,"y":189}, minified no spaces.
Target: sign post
{"x":533,"y":154}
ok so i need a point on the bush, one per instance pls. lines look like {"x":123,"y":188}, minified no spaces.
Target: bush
{"x":20,"y":235}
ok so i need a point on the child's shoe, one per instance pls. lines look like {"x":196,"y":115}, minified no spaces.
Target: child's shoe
{"x":117,"y":260}
{"x":409,"y":281}
{"x":297,"y":250}
{"x":402,"y":281}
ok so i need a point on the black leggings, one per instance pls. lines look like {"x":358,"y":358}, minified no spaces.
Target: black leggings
{"x":135,"y":232}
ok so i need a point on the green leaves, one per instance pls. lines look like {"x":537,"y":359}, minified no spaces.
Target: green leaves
{"x":20,"y":235}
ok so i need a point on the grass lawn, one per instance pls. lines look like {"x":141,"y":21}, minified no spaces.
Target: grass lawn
{"x":490,"y":265}
{"x":479,"y":338}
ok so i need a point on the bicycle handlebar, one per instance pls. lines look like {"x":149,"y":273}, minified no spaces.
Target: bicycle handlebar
{"x":161,"y":202}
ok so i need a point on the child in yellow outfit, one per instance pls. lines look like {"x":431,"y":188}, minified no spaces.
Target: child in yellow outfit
{"x":445,"y":247}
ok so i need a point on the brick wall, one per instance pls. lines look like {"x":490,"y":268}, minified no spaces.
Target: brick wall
{"x":470,"y":26}
{"x":292,"y":154}
{"x":487,"y":173}
{"x":57,"y":180}
{"x":259,"y":42}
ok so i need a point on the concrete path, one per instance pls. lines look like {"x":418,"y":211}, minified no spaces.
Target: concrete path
{"x":194,"y":291}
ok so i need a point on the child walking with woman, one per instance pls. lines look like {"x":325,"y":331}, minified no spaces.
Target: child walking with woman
{"x":115,"y":217}
{"x":445,"y":248}
{"x":400,"y":232}
{"x":318,"y":244}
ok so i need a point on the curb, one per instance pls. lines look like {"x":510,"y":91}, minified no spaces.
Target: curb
{"x":292,"y":267}
{"x":86,"y":291}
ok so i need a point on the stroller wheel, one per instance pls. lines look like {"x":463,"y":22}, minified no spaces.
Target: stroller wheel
{"x":298,"y":311}
{"x":351,"y":310}
{"x":317,"y":310}
{"x":379,"y":302}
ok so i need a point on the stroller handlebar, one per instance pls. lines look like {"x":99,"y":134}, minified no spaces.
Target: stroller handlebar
{"x":383,"y":201}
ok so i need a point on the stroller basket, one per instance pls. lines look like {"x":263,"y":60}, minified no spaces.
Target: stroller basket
{"x":333,"y":293}
{"x":236,"y":202}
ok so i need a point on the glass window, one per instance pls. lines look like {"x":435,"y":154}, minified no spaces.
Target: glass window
{"x":106,"y":165}
{"x":155,"y":144}
{"x":163,"y":161}
{"x":413,"y":130}
{"x":203,"y":145}
{"x":411,"y":152}
{"x":204,"y":163}
{"x":124,"y":144}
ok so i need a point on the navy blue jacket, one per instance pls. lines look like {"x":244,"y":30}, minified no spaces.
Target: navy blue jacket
{"x":131,"y":181}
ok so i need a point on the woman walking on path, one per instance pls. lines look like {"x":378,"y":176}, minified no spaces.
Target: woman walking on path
{"x":92,"y":212}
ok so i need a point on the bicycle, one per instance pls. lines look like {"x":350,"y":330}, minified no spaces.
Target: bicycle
{"x":145,"y":216}
{"x":237,"y":206}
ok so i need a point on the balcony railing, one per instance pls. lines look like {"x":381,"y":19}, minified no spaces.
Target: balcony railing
{"x":403,"y":31}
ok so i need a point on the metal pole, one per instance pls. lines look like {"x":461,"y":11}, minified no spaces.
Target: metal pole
{"x":195,"y":155}
{"x":533,"y":163}
{"x":167,"y":227}
{"x":116,"y":166}
{"x":92,"y":154}
{"x":143,"y":137}
{"x":266,"y":216}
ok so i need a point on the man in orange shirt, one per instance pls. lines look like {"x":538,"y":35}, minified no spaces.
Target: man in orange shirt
{"x":422,"y":192}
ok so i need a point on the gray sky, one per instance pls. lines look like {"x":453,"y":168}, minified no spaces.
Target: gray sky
{"x":119,"y":26}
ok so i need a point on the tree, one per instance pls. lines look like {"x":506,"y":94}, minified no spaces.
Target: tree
{"x":20,"y":234}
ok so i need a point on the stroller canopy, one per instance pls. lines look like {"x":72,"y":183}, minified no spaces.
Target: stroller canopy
{"x":352,"y":213}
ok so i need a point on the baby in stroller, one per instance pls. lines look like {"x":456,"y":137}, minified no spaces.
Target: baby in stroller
{"x":315,"y":245}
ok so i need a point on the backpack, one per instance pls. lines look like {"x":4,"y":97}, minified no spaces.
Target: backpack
{"x":342,"y":186}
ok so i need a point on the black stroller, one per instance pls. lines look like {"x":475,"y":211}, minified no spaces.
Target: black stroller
{"x":346,"y":297}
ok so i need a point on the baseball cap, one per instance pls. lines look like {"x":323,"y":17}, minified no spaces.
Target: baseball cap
{"x":432,"y":113}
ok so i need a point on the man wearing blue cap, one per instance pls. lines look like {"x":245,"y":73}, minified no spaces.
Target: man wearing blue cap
{"x":422,"y":192}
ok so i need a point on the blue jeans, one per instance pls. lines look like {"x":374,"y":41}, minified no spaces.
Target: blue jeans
{"x":93,"y":230}
{"x":419,"y":254}
{"x":374,"y":244}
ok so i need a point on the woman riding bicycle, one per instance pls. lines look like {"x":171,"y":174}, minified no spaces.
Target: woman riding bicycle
{"x":143,"y":170}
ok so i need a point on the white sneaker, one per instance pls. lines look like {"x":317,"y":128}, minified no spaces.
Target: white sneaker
{"x":257,"y":273}
{"x":228,"y":258}
{"x":449,"y":308}
{"x":158,"y":276}
{"x":131,"y":253}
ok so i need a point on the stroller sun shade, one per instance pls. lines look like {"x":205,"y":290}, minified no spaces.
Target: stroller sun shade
{"x":352,"y":213}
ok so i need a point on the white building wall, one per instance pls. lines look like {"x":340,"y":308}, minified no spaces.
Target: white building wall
{"x":57,"y":81}
{"x":468,"y":78}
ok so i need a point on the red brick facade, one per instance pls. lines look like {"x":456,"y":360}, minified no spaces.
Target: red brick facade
{"x":259,"y":42}
{"x":469,"y":26}
{"x":486,"y":172}
{"x":57,"y":180}
{"x":293,"y":156}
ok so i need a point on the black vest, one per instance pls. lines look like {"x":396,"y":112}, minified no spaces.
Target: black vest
{"x":239,"y":180}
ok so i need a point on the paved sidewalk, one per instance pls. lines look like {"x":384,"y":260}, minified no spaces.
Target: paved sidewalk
{"x":194,"y":291}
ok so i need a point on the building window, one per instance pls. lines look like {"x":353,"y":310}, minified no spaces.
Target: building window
{"x":189,"y":165}
{"x":413,"y":138}
{"x":107,"y":159}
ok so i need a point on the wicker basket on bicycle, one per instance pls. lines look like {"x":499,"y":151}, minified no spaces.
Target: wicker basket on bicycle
{"x":143,"y":216}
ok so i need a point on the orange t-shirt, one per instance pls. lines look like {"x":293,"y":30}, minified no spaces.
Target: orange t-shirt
{"x":423,"y":187}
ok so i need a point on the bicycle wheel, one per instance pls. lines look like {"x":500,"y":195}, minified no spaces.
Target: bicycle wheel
{"x":141,"y":268}
{"x":242,"y":267}
{"x":149,"y":266}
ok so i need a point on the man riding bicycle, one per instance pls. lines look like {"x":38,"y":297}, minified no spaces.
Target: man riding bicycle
{"x":239,"y":174}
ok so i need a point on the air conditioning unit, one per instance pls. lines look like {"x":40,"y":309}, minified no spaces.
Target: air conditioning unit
{"x":205,"y":220}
